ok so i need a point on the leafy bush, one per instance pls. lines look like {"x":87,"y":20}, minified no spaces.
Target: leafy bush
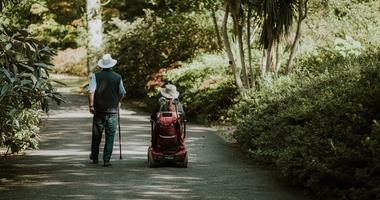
{"x":341,"y":19}
{"x":58,"y":23}
{"x":55,"y":34}
{"x":320,"y":130}
{"x":206,"y":86}
{"x":150,"y":43}
{"x":25,"y":87}
{"x":21,"y":129}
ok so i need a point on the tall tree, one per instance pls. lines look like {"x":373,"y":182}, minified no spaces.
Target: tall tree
{"x":277,"y":17}
{"x":238,"y":21}
{"x":216,"y":27}
{"x":95,"y":36}
{"x":277,"y":58}
{"x":252,"y":71}
{"x":227,"y":46}
{"x":302,"y":13}
{"x":263,"y":63}
{"x":241,"y":30}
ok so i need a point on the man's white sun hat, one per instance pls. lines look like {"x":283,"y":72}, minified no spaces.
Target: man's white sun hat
{"x":107,"y":61}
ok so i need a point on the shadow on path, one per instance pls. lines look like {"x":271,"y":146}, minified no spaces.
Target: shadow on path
{"x":61,"y":168}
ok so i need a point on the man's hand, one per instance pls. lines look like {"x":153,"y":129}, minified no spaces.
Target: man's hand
{"x":92,"y":110}
{"x":91,"y":102}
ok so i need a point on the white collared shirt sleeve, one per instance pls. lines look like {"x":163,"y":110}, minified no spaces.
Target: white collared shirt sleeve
{"x":122,"y":91}
{"x":92,"y":85}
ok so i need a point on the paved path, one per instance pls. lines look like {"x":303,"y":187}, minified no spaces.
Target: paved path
{"x":61,"y":168}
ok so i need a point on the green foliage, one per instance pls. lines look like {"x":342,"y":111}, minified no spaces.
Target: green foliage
{"x":130,"y":10}
{"x":58,"y":23}
{"x":16,"y":12}
{"x":20,"y":129}
{"x":342,"y":19}
{"x":206,"y":87}
{"x":150,"y":43}
{"x":55,"y":34}
{"x":65,"y":12}
{"x":319,"y":130}
{"x":24,"y":88}
{"x":348,"y":47}
{"x":278,"y":17}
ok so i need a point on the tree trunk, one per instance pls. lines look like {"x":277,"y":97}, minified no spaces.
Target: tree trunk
{"x":263,"y":64}
{"x":252,"y":72}
{"x":227,"y":48}
{"x":238,"y":18}
{"x":95,"y":36}
{"x":274,"y":58}
{"x":239,"y":33}
{"x":269,"y":58}
{"x":294,"y":48}
{"x":218,"y":37}
{"x":302,"y":12}
{"x":278,"y":59}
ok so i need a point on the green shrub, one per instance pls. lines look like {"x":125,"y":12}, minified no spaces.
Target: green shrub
{"x":319,"y":130}
{"x":206,"y":86}
{"x":25,"y":87}
{"x":59,"y":24}
{"x":150,"y":43}
{"x":23,"y":128}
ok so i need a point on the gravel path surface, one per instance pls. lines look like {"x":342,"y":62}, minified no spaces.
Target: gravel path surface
{"x":60,"y":169}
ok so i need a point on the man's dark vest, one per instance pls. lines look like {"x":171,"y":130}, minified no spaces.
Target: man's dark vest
{"x":107,"y":91}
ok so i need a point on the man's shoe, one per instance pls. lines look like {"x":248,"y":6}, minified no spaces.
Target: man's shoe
{"x":107,"y":164}
{"x":94,"y":160}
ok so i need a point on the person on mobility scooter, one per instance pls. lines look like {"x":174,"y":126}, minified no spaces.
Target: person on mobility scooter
{"x":168,"y":130}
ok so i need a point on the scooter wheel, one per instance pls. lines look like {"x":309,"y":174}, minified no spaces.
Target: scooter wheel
{"x":151,"y":162}
{"x":183,"y":164}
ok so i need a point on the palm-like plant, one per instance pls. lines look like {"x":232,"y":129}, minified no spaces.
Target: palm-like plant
{"x":278,"y":17}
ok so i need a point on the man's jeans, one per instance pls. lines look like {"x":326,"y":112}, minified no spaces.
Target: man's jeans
{"x":107,"y":122}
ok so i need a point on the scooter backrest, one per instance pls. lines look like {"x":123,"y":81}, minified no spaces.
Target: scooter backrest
{"x":167,"y":118}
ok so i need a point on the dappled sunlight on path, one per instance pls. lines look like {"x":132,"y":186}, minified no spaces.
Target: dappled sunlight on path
{"x":61,"y":168}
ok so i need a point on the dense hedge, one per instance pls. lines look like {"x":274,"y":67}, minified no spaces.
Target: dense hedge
{"x":320,"y":130}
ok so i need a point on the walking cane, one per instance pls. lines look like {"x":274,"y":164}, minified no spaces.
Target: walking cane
{"x":118,"y":116}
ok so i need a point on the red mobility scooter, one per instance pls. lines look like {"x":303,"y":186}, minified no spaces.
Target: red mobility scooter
{"x":168,"y":132}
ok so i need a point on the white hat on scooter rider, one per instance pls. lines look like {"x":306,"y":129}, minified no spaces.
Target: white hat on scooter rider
{"x":170,"y":91}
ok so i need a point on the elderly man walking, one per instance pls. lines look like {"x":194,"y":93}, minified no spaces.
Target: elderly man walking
{"x":106,"y":90}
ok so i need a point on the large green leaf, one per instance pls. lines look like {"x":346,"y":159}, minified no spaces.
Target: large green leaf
{"x":26,"y":82}
{"x":3,"y":91}
{"x":31,"y":47}
{"x":8,"y":46}
{"x":43,"y":65}
{"x":27,"y":67}
{"x":30,"y":76}
{"x":7,"y":73}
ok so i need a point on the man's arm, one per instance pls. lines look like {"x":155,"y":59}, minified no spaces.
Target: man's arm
{"x":91,"y":102}
{"x":91,"y":94}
